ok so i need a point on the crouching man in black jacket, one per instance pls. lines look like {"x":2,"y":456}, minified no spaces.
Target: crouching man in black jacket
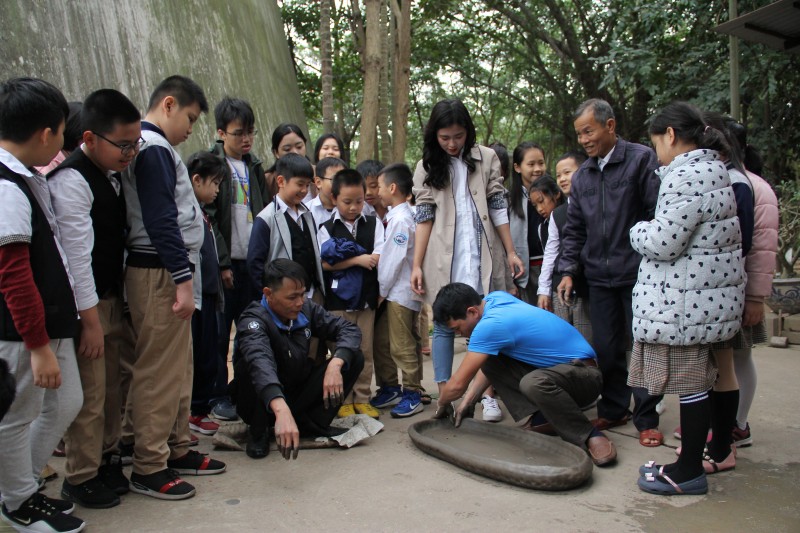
{"x":276,"y":381}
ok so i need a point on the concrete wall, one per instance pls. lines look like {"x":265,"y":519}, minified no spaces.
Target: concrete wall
{"x":234,"y":47}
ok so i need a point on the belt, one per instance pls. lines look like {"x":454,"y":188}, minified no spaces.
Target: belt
{"x":584,"y":362}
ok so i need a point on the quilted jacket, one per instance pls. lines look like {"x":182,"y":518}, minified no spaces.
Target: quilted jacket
{"x":760,"y":261}
{"x":690,"y":287}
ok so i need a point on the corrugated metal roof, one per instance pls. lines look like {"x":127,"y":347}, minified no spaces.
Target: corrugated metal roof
{"x":776,"y":25}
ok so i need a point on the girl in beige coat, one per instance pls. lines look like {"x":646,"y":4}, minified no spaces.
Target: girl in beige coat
{"x":462,"y":230}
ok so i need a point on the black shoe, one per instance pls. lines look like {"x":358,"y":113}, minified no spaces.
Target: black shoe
{"x":257,"y":443}
{"x":310,"y":429}
{"x":164,"y":485}
{"x":196,"y":464}
{"x":62,"y":505}
{"x":37,"y":514}
{"x":93,"y":494}
{"x":126,"y":453}
{"x":110,"y":473}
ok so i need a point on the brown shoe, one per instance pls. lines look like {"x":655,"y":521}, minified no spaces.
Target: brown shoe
{"x":602,"y":424}
{"x":601,"y":450}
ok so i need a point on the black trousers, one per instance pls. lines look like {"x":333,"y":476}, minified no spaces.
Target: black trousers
{"x":304,"y":399}
{"x":611,"y":313}
{"x":209,"y":369}
{"x":558,"y":392}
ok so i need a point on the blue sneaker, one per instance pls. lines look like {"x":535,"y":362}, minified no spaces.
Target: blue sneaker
{"x":411,"y":404}
{"x":224,"y":410}
{"x":386,"y":397}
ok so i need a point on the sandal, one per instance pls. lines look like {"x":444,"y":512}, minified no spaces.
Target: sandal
{"x":650,"y":483}
{"x":651,"y":435}
{"x":650,"y":467}
{"x":713,"y":467}
{"x":425,"y":398}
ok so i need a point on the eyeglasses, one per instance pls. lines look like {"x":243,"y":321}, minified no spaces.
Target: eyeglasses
{"x":251,"y":133}
{"x":126,"y":149}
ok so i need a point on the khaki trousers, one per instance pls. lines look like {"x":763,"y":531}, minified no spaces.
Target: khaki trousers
{"x":365,"y":320}
{"x":96,"y":429}
{"x":397,"y":346}
{"x":161,"y":387}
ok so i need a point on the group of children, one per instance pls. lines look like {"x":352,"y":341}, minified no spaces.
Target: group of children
{"x":122,"y":221}
{"x":123,"y":269}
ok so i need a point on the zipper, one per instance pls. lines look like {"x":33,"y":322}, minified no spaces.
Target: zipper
{"x":603,"y":211}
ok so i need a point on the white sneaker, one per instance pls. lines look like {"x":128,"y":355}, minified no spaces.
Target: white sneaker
{"x":661,"y":407}
{"x":491,"y":411}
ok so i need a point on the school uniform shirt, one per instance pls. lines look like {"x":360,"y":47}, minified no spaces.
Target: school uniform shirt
{"x":320,"y":213}
{"x":15,"y":224}
{"x":16,"y":227}
{"x":377,"y":249}
{"x":368,"y":211}
{"x":297,"y":216}
{"x":397,"y":259}
{"x":72,"y":200}
{"x":526,"y":333}
{"x":551,"y":249}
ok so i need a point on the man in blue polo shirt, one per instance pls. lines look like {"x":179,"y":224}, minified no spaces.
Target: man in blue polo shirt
{"x":540,"y":365}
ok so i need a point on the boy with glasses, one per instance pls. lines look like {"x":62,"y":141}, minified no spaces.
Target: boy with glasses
{"x":87,"y":199}
{"x":242,"y":195}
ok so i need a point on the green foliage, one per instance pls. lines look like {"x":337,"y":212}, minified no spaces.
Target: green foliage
{"x":523,"y":66}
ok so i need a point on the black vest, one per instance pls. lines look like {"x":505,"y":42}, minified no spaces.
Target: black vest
{"x":365,"y":236}
{"x":49,"y":275}
{"x":303,"y":248}
{"x":108,"y":223}
{"x":579,"y":284}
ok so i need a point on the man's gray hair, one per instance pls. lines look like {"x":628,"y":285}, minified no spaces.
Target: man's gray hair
{"x":602,"y":110}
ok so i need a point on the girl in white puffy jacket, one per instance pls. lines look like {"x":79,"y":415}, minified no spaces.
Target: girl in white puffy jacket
{"x":690,"y":290}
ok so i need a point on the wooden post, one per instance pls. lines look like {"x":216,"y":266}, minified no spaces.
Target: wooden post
{"x":736,"y":108}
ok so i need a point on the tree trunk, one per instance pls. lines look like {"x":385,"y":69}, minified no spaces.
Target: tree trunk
{"x":401,"y":77}
{"x":326,"y":59}
{"x":368,"y":141}
{"x":385,"y":97}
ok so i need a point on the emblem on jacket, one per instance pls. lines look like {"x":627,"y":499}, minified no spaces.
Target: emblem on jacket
{"x":253,"y":325}
{"x":307,"y":333}
{"x":400,"y":239}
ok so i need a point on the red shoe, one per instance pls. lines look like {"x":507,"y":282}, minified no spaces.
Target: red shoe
{"x":193,"y":440}
{"x":203,"y":425}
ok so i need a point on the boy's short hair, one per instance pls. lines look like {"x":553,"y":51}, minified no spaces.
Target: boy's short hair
{"x":183,"y":89}
{"x":370,"y":168}
{"x":400,"y":175}
{"x":329,"y":162}
{"x":279,"y":269}
{"x":229,"y":109}
{"x":294,"y":166}
{"x":104,"y":109}
{"x":28,"y":105}
{"x":347,"y":178}
{"x":207,"y":165}
{"x":452,"y":302}
{"x":579,"y":157}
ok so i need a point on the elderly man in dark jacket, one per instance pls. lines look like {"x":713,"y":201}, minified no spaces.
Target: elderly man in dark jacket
{"x":613,"y":190}
{"x":277,"y":382}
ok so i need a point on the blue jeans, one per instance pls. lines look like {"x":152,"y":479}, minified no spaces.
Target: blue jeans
{"x":442,"y":352}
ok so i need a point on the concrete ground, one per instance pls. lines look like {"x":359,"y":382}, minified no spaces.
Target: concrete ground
{"x":386,"y":484}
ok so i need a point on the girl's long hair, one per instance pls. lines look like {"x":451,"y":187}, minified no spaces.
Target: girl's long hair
{"x":435,"y":160}
{"x":515,"y":194}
